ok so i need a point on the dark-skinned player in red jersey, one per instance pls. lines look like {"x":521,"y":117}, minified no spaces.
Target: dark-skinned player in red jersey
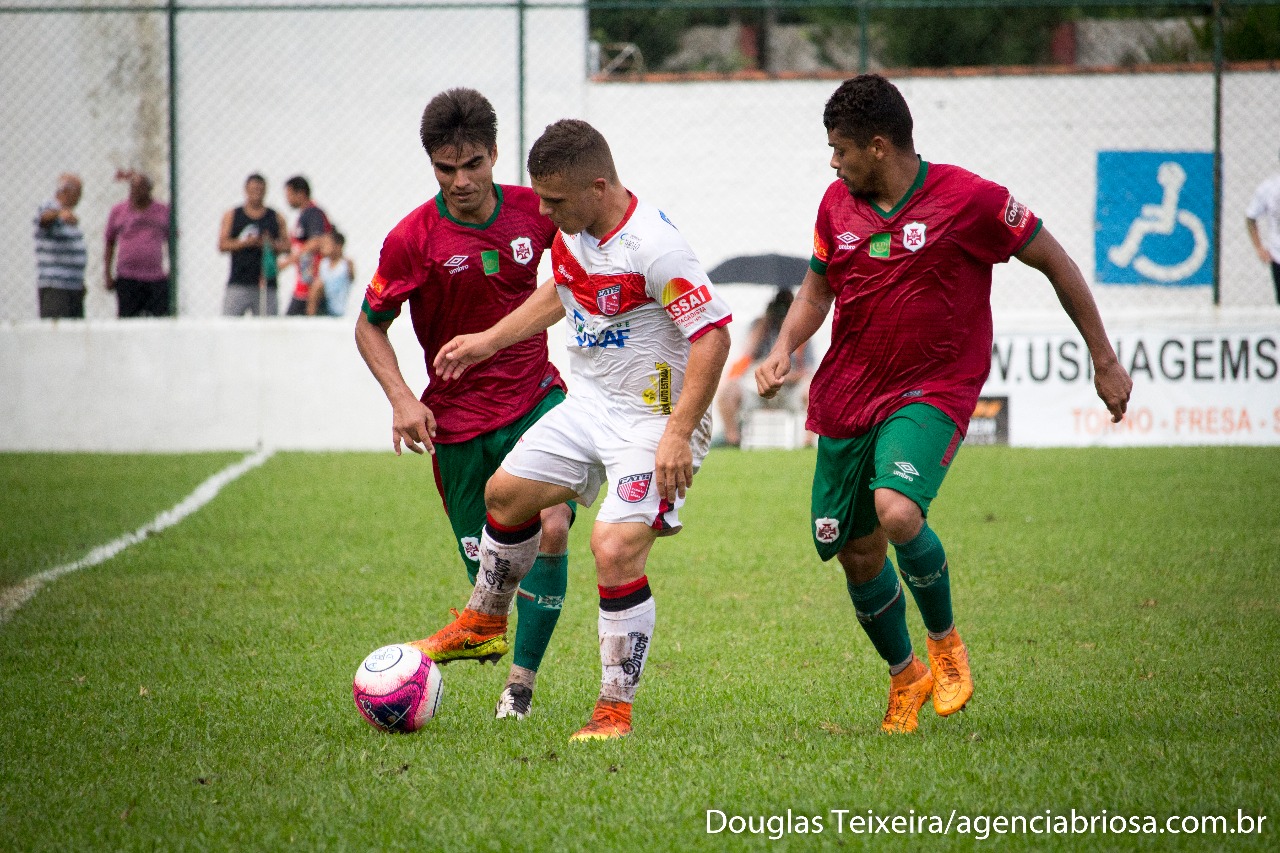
{"x":463,"y":261}
{"x":904,"y":249}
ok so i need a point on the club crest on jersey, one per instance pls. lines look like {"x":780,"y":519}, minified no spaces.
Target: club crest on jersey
{"x":609,"y":299}
{"x":913,"y":236}
{"x":633,"y":489}
{"x":522,"y":250}
{"x":826,"y":530}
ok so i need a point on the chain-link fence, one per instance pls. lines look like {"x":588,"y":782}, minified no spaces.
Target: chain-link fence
{"x":713,"y":111}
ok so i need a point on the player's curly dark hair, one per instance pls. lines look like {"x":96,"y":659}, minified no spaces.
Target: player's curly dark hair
{"x":459,"y":117}
{"x":574,"y":149}
{"x":869,"y":105}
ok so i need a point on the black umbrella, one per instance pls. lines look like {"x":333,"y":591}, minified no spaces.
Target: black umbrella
{"x":776,"y":270}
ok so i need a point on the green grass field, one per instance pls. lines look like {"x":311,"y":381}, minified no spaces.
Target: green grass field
{"x":193,"y":693}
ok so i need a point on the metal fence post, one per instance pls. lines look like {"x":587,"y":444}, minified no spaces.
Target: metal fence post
{"x":520,"y":36}
{"x":172,"y":26}
{"x":1217,"y":152}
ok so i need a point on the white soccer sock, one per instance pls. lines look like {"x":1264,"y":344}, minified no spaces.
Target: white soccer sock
{"x":625,"y":637}
{"x":502,"y":566}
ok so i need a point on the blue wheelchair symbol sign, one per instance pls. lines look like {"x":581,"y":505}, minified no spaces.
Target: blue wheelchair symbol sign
{"x":1154,"y":218}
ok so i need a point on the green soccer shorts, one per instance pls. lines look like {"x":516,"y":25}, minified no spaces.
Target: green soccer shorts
{"x":463,"y":469}
{"x":910,"y":452}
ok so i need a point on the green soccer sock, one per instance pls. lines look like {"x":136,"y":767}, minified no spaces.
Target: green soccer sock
{"x":538,"y":603}
{"x":882,"y":612}
{"x":924,"y":568}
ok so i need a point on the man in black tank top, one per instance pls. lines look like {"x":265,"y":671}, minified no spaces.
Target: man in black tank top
{"x":252,"y":234}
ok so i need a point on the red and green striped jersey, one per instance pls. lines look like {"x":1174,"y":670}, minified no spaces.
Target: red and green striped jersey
{"x":460,"y":278}
{"x":912,"y":297}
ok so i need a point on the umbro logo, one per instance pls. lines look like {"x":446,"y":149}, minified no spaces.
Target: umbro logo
{"x":906,"y":471}
{"x":456,"y":260}
{"x":847,"y":240}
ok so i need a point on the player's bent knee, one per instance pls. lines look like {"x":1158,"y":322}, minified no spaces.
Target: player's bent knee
{"x":555,"y":529}
{"x":620,"y":558}
{"x":899,"y":515}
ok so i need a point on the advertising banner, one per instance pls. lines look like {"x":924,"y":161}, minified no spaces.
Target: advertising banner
{"x":1211,"y":386}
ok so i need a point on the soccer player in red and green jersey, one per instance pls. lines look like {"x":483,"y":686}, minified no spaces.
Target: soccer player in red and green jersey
{"x":463,"y":261}
{"x":904,"y":250}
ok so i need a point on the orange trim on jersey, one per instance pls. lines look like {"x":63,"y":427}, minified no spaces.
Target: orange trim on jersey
{"x":631,"y":208}
{"x":603,"y":295}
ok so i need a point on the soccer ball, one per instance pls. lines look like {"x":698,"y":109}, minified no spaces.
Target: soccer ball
{"x":397,"y":688}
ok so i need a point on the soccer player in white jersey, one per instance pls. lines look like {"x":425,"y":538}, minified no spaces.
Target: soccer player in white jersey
{"x":647,"y":340}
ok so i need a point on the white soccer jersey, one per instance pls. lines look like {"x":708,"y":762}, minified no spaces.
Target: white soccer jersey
{"x":635,"y":300}
{"x":1264,"y":208}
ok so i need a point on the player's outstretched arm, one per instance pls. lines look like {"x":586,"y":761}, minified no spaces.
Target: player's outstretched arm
{"x":1110,"y":379}
{"x":539,"y":312}
{"x":673,"y":461}
{"x":805,"y":317}
{"x":411,"y":421}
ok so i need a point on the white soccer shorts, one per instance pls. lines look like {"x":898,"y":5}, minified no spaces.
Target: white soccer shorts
{"x":577,"y":446}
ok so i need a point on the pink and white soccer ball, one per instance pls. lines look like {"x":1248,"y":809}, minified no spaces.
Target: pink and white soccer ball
{"x":397,"y":688}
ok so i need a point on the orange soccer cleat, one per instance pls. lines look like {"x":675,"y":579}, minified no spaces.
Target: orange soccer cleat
{"x":609,"y":720}
{"x":470,"y":636}
{"x":952,"y":681}
{"x":908,"y":691}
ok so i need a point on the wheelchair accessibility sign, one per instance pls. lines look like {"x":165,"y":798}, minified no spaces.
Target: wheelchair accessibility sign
{"x":1154,"y":218}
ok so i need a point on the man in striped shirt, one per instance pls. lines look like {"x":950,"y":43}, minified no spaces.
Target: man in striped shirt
{"x":60,"y":252}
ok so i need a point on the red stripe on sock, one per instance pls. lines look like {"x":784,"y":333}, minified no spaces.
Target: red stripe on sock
{"x":624,"y":590}
{"x":514,"y":528}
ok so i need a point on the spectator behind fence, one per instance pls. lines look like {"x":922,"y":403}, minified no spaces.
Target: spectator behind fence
{"x":139,"y":227}
{"x":1265,"y":206}
{"x":60,"y":252}
{"x":252,"y":234}
{"x":738,"y":397}
{"x":305,"y":239}
{"x":336,"y":273}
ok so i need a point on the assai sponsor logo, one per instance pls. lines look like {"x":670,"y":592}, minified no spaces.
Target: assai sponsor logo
{"x":684,"y":300}
{"x":457,"y":264}
{"x":826,"y":530}
{"x":635,"y":487}
{"x":522,"y":250}
{"x":913,"y":236}
{"x":906,"y":471}
{"x":378,"y":284}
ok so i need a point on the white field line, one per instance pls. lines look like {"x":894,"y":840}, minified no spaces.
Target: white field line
{"x":19,"y":594}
